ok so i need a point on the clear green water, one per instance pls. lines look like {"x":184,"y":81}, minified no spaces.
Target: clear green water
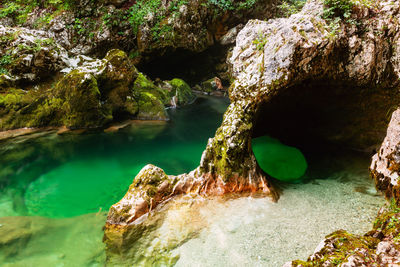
{"x":55,"y":192}
{"x":64,"y":176}
{"x":282,"y":162}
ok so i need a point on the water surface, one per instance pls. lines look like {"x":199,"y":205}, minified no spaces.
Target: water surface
{"x":55,"y":191}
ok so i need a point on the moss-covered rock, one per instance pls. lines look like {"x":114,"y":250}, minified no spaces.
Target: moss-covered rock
{"x":150,"y":107}
{"x":182,"y":91}
{"x":81,"y":101}
{"x":211,"y":85}
{"x":379,"y":247}
{"x":30,"y":55}
{"x":151,"y":99}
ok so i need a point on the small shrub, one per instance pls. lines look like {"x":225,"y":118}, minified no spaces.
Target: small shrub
{"x":337,"y":9}
{"x":290,"y":7}
{"x":261,"y":41}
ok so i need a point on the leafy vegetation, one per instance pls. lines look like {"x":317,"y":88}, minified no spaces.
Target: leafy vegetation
{"x":5,"y":60}
{"x":141,"y":9}
{"x":18,"y":10}
{"x":338,"y":9}
{"x":343,"y":8}
{"x":290,"y":7}
{"x":261,"y":41}
{"x":231,"y":4}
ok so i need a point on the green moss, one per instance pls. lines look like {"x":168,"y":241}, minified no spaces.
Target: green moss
{"x":143,"y":84}
{"x":81,"y":96}
{"x":182,"y":91}
{"x":150,"y":107}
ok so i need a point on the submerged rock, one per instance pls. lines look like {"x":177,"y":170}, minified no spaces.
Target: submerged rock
{"x":282,"y":162}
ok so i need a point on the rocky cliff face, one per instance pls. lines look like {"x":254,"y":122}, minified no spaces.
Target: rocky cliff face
{"x":142,"y":27}
{"x":273,"y":60}
{"x":59,"y":60}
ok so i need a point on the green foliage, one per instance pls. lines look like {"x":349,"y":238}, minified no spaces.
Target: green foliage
{"x":393,"y":206}
{"x":19,"y":10}
{"x":343,"y":8}
{"x":175,"y":5}
{"x":231,"y":4}
{"x":337,"y":9}
{"x":10,"y":10}
{"x":290,"y":7}
{"x":140,"y":10}
{"x":261,"y":41}
{"x":5,"y":60}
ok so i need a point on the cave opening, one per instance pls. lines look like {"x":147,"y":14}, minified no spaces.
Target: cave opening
{"x":325,"y":119}
{"x":193,"y":67}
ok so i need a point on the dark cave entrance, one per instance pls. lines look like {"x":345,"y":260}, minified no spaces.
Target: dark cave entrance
{"x":329,"y":112}
{"x":193,"y":67}
{"x":327,"y":120}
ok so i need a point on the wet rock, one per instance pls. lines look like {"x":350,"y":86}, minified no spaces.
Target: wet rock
{"x":180,"y":92}
{"x":152,"y":240}
{"x":134,"y":231}
{"x":149,"y":188}
{"x":211,"y":85}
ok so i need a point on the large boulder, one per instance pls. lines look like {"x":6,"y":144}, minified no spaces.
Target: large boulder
{"x":80,"y":95}
{"x":92,"y":93}
{"x":180,"y":92}
{"x":133,"y":237}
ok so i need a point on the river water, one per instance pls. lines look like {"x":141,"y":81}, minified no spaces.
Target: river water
{"x":55,"y":191}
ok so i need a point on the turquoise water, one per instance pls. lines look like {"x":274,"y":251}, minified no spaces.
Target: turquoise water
{"x":284,"y":163}
{"x":55,"y":191}
{"x":70,"y":175}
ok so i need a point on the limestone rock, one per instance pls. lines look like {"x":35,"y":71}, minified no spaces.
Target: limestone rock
{"x":80,"y":95}
{"x":385,"y":166}
{"x":281,"y":57}
{"x":30,"y":55}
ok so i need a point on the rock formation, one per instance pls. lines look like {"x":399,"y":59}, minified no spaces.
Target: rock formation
{"x":385,"y":164}
{"x":338,"y":78}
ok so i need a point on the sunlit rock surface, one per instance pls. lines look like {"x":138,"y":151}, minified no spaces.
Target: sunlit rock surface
{"x":231,"y":231}
{"x":385,"y":166}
